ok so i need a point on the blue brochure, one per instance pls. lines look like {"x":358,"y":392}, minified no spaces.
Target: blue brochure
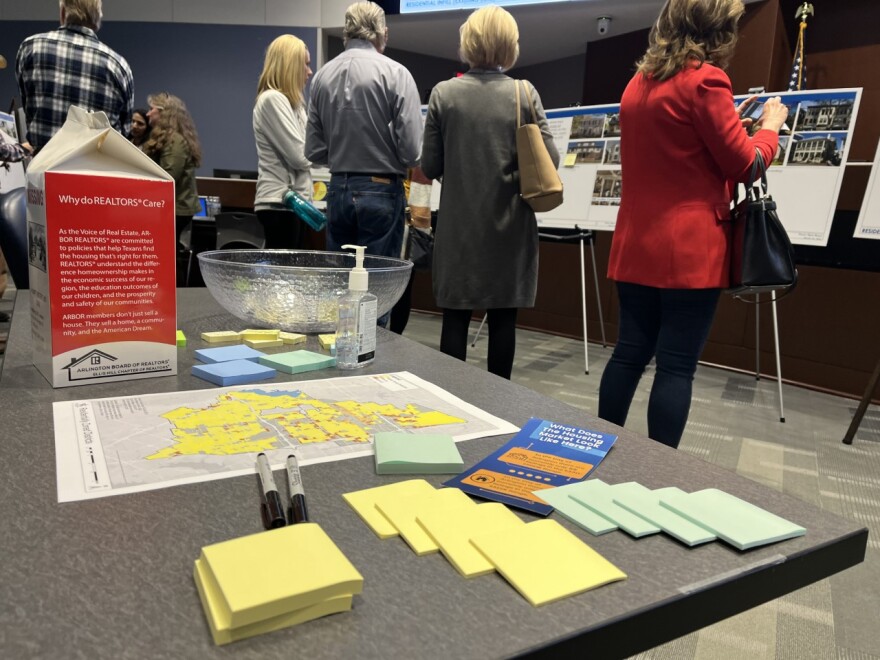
{"x":542,"y":455}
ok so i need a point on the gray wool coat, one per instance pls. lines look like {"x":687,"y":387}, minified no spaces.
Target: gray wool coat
{"x":486,"y":241}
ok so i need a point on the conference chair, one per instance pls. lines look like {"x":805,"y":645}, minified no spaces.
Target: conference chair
{"x":13,"y":235}
{"x":239,"y":231}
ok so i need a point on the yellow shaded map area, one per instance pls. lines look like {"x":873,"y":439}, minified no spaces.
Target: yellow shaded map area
{"x":244,"y":422}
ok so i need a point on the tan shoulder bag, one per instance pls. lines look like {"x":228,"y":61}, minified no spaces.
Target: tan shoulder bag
{"x":539,"y":182}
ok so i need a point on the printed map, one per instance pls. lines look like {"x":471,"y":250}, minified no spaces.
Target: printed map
{"x":129,"y":444}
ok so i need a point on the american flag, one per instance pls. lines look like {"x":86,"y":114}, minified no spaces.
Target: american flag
{"x":798,"y":78}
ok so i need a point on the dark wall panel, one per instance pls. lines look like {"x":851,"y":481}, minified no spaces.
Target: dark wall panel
{"x":213,"y":68}
{"x":557,"y":82}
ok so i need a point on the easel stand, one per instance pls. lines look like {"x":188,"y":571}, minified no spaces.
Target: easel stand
{"x":580,"y":235}
{"x":775,"y":346}
{"x":863,"y":406}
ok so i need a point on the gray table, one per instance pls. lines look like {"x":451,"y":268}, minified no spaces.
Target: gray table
{"x":112,"y":578}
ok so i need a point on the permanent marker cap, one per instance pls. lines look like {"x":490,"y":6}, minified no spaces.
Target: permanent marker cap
{"x":272,"y":511}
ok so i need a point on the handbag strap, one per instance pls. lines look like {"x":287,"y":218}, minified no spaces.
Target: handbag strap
{"x":531,"y":103}
{"x":516,"y":100}
{"x":758,"y":165}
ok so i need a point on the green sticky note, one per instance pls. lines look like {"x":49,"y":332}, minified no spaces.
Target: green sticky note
{"x":296,"y":362}
{"x":181,"y":339}
{"x":644,"y":502}
{"x":596,"y":495}
{"x":560,"y":499}
{"x":409,"y":453}
{"x":739,"y":523}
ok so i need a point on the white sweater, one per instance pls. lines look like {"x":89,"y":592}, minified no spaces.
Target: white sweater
{"x":280,"y":133}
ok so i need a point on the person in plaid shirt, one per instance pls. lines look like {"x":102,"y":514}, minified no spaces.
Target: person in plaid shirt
{"x":70,"y":66}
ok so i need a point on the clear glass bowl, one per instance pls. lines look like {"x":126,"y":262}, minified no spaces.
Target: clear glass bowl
{"x":295,"y":290}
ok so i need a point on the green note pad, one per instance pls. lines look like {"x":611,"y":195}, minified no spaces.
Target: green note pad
{"x":545,"y":562}
{"x":560,"y":499}
{"x":452,"y":529}
{"x":644,"y":502}
{"x":596,"y":495}
{"x":739,"y":523}
{"x":297,"y":362}
{"x":408,"y":453}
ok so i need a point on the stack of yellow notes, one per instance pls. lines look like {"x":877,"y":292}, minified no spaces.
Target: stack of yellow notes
{"x":520,"y":553}
{"x":273,"y":580}
{"x":478,"y":539}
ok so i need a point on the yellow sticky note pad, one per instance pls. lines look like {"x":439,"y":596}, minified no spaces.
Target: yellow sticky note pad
{"x":181,"y":339}
{"x":327,"y":341}
{"x":269,"y":574}
{"x":210,"y":598}
{"x":221,"y":337}
{"x":259,"y":333}
{"x":570,"y":160}
{"x":364,"y":503}
{"x":452,"y":529}
{"x":263,"y":343}
{"x":402,"y":513}
{"x":520,"y":554}
{"x":292,"y":338}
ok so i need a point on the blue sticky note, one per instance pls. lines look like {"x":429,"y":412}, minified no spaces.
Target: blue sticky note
{"x":228,"y":353}
{"x":234,"y":372}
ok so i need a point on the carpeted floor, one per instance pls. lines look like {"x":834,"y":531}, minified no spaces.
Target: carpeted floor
{"x":734,"y":423}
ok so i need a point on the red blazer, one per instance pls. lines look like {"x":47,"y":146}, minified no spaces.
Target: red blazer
{"x":682,"y":144}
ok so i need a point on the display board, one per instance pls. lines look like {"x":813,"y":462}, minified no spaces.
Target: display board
{"x":588,"y":141}
{"x":868,"y":225}
{"x":804,"y":178}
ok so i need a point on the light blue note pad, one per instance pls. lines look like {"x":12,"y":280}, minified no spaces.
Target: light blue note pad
{"x":595,"y":494}
{"x":741,"y":524}
{"x":644,"y":502}
{"x":228,"y":353}
{"x":409,"y":453}
{"x":297,"y":362}
{"x":234,"y":372}
{"x":560,"y":499}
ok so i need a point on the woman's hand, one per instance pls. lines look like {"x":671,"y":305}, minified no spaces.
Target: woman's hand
{"x":741,"y":108}
{"x":773,"y":115}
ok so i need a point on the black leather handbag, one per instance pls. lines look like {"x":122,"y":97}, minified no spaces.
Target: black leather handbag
{"x":762,"y":257}
{"x":420,"y":247}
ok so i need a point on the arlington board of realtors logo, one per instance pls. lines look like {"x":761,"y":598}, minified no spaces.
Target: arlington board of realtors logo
{"x":100,"y":364}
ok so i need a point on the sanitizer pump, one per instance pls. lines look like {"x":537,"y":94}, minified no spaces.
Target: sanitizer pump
{"x":356,"y":328}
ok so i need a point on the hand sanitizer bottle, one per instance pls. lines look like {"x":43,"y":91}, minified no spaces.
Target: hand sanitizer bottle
{"x":356,"y":328}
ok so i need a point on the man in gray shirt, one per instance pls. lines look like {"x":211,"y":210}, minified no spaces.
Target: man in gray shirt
{"x":365,"y":124}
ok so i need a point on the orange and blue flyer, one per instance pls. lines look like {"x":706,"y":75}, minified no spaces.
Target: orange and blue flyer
{"x":543,"y":454}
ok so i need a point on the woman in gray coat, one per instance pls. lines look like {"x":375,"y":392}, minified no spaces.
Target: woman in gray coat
{"x":486,"y":244}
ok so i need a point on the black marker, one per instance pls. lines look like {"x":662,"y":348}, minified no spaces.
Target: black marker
{"x":271,"y":505}
{"x":297,"y":512}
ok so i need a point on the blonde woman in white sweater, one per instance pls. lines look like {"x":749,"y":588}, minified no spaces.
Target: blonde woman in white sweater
{"x":280,"y":131}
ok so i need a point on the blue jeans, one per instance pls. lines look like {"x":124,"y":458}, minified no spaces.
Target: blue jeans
{"x":672,"y":324}
{"x":369,"y":211}
{"x":364,"y":211}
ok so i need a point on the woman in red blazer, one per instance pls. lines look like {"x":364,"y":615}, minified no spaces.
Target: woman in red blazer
{"x":683,"y":147}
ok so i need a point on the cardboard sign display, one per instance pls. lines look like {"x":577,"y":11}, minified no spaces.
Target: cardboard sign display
{"x":102,"y":251}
